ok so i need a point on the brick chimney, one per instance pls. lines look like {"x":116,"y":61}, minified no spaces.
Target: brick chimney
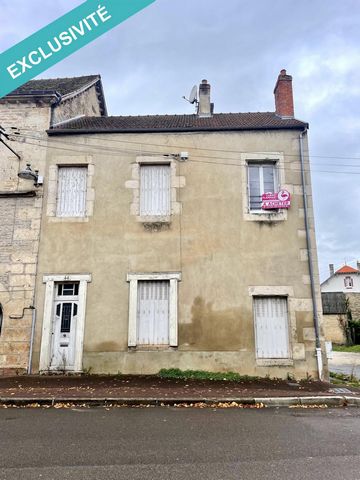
{"x":205,"y":107}
{"x":284,"y":103}
{"x":331,"y":269}
{"x":358,"y":265}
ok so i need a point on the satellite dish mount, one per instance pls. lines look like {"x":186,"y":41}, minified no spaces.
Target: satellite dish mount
{"x":193,"y":97}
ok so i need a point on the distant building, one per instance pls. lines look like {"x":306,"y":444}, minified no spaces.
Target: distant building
{"x":339,"y":292}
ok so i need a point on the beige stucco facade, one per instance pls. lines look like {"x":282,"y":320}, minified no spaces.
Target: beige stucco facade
{"x":223,"y":255}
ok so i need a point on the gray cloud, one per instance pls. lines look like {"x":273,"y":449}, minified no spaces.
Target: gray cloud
{"x":154,"y":58}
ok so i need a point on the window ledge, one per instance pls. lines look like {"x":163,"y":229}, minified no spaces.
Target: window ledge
{"x":154,"y":218}
{"x":259,"y":216}
{"x":273,"y":362}
{"x":68,"y":219}
{"x":152,"y":348}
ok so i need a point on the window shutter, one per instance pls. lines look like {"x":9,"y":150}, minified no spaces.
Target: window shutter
{"x":71,"y":199}
{"x":153,"y":313}
{"x":155,"y":190}
{"x":271,"y":327}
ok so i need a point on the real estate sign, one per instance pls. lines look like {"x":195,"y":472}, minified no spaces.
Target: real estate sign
{"x":272,"y":201}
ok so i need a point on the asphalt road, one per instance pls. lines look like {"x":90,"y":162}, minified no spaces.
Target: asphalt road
{"x":170,"y":443}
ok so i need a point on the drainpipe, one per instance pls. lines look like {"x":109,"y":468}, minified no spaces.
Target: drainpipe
{"x":310,"y":260}
{"x":33,"y":321}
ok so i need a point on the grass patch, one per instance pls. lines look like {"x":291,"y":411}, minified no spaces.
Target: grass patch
{"x":176,"y":373}
{"x":342,"y":379}
{"x":345,"y":348}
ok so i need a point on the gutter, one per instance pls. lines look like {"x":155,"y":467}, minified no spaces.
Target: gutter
{"x":310,"y":261}
{"x":82,"y":131}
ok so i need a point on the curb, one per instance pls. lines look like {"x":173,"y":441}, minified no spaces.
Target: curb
{"x":330,"y":401}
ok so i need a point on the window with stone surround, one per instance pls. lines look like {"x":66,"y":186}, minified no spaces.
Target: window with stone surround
{"x":155,"y":190}
{"x":153,"y":309}
{"x":271,"y":327}
{"x":261,"y":173}
{"x":262,"y":179}
{"x":71,"y":192}
{"x":348,"y":281}
{"x":155,"y":185}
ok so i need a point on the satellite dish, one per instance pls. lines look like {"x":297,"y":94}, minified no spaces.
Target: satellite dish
{"x":193,"y":94}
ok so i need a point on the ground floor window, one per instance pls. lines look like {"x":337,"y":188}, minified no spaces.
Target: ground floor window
{"x":271,"y":327}
{"x":153,"y":309}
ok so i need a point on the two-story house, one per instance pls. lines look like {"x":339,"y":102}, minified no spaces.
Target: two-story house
{"x":159,"y":248}
{"x":25,"y":116}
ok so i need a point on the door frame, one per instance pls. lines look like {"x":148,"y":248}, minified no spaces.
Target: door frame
{"x":46,"y":340}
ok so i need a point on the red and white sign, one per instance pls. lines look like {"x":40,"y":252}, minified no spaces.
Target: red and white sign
{"x":271,"y":201}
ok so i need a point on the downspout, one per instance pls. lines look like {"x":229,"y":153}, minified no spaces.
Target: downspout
{"x":33,"y":321}
{"x":310,"y":261}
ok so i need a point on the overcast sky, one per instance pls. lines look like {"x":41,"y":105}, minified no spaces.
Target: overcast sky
{"x":151,"y":60}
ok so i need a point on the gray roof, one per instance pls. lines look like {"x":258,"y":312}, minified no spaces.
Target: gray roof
{"x":179,"y":123}
{"x":63,"y":86}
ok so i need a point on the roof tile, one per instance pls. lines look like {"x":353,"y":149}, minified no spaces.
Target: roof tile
{"x":347,"y":269}
{"x":218,"y":122}
{"x":63,"y":86}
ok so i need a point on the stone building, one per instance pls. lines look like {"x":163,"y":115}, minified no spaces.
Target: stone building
{"x":343,"y":284}
{"x":159,"y":250}
{"x":25,"y":115}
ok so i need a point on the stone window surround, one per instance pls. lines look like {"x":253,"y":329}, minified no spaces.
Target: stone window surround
{"x":276,"y":157}
{"x":46,"y":337}
{"x":278,"y":291}
{"x":134,"y":184}
{"x":70,"y":161}
{"x":133,"y":278}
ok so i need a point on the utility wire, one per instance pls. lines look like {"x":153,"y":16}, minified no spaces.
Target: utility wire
{"x":151,"y":152}
{"x":198,"y":148}
{"x":116,"y":152}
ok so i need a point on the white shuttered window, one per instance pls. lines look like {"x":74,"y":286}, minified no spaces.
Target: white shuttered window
{"x":271,"y":327}
{"x":71,"y":194}
{"x":154,"y":190}
{"x":153,"y":312}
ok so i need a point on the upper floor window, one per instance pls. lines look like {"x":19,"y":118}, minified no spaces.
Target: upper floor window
{"x":155,"y":188}
{"x":71,"y":191}
{"x":261,"y":179}
{"x":349,"y":283}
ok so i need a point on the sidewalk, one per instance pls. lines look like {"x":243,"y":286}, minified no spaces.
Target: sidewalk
{"x":133,"y":390}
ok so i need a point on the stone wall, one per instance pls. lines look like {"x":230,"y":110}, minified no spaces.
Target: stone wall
{"x":333,"y":331}
{"x":354,"y":304}
{"x":86,"y":103}
{"x":20,"y":219}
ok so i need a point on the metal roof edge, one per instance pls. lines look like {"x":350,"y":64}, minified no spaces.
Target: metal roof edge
{"x":73,"y":131}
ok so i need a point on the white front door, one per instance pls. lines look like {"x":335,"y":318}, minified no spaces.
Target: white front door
{"x":271,"y":327}
{"x":65,"y":316}
{"x":153,"y":312}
